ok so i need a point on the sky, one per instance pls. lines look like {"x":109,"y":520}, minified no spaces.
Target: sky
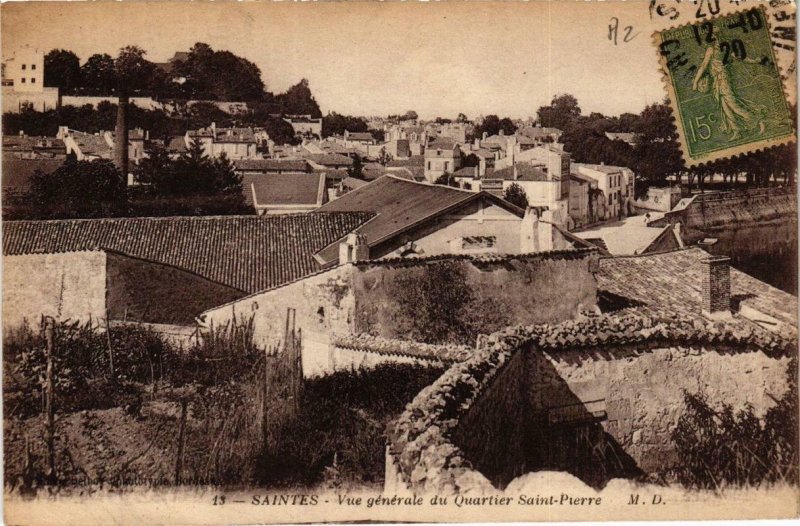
{"x":439,"y":59}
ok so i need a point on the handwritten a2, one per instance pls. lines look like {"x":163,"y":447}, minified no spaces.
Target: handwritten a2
{"x":613,"y":32}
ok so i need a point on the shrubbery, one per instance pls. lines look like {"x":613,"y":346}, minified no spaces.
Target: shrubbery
{"x":721,"y":447}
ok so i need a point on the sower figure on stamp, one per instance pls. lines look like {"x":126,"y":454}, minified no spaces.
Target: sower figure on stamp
{"x":736,"y":114}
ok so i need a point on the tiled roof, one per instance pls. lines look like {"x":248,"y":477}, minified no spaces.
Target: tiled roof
{"x":329,"y":159}
{"x":525,"y":172}
{"x":414,"y":160}
{"x":359,"y":136}
{"x":467,"y":171}
{"x":628,"y":236}
{"x":93,"y":144}
{"x":249,"y":253}
{"x":238,"y":135}
{"x":353,"y":183}
{"x":400,"y":204}
{"x":177,"y":144}
{"x":536,"y":131}
{"x":288,"y":189}
{"x":605,"y":168}
{"x":271,"y":165}
{"x":674,"y":281}
{"x":28,"y":143}
{"x":441,"y":143}
{"x":16,"y":172}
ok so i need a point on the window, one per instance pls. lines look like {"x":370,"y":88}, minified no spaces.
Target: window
{"x":23,"y":80}
{"x":33,"y":80}
{"x":24,"y":66}
{"x":429,"y":165}
{"x":33,"y":67}
{"x":445,"y":166}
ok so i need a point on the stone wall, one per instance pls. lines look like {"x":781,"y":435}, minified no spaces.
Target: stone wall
{"x":641,"y":390}
{"x":14,"y":101}
{"x":324,"y":304}
{"x":528,"y":289}
{"x":145,"y":103}
{"x":362,"y":298}
{"x":738,"y":207}
{"x":597,"y":397}
{"x":66,"y":286}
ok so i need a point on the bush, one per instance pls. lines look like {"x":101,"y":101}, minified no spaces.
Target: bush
{"x":340,"y":431}
{"x":720,"y":447}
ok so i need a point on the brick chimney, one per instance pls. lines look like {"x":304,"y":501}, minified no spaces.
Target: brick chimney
{"x":717,"y":287}
{"x":121,"y":135}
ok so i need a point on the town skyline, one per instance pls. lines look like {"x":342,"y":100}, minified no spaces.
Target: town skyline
{"x":506,"y":69}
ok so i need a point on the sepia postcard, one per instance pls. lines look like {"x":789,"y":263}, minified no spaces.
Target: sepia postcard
{"x":451,"y":261}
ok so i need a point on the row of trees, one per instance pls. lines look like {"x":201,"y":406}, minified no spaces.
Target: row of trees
{"x":655,"y":155}
{"x":204,"y":74}
{"x":192,"y":184}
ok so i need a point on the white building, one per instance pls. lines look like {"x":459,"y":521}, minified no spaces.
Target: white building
{"x":616,"y":184}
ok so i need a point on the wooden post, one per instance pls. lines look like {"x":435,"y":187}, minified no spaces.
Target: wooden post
{"x":49,"y":335}
{"x":264,"y":401}
{"x":181,"y":442}
{"x":110,"y":348}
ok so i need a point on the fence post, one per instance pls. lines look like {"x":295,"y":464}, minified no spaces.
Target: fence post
{"x":110,"y":348}
{"x":49,"y":335}
{"x":181,"y":442}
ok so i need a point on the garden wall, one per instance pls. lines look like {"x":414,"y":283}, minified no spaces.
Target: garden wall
{"x":362,"y":298}
{"x":547,"y":287}
{"x":66,"y":286}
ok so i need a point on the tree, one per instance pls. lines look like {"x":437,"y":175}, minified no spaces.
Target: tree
{"x":219,"y":75}
{"x":193,"y":174}
{"x":80,"y":189}
{"x":336,"y":124}
{"x":98,"y":74}
{"x":657,"y":154}
{"x":384,"y":157}
{"x":462,"y":118}
{"x":563,"y":109}
{"x":492,"y":125}
{"x":410,"y":115}
{"x":515,"y":195}
{"x":62,"y":69}
{"x":446,"y":179}
{"x":357,"y":169}
{"x":298,"y":100}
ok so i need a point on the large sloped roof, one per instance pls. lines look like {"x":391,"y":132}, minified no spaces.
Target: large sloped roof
{"x":249,"y":253}
{"x":400,"y":204}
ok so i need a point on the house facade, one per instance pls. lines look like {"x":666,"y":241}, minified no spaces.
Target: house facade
{"x":616,"y":184}
{"x":441,"y":156}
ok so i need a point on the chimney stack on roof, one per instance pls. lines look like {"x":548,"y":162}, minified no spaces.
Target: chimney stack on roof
{"x":354,"y":248}
{"x":717,"y":287}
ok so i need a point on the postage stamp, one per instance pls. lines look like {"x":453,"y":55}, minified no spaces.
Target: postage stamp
{"x":724,"y":86}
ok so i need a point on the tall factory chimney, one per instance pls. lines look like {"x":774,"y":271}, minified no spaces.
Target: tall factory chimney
{"x":121,"y":132}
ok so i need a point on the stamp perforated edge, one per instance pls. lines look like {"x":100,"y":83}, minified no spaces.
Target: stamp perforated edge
{"x":734,"y":151}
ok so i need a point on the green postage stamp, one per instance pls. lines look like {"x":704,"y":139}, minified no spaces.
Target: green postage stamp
{"x":724,"y":86}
